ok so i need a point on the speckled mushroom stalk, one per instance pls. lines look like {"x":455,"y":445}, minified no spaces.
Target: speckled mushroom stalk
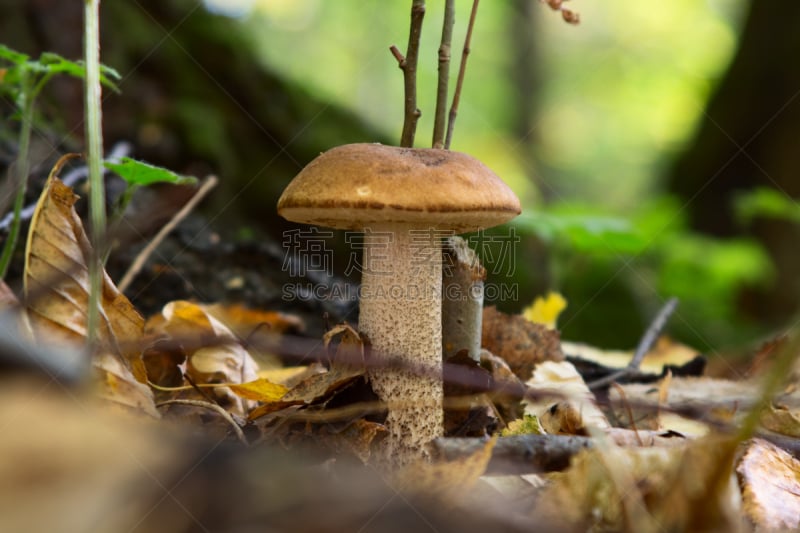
{"x":406,"y":199}
{"x":401,"y":314}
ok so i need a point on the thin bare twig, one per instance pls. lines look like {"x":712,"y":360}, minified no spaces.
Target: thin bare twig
{"x":631,"y":420}
{"x":214,"y":407}
{"x":209,"y":183}
{"x":461,"y":70}
{"x":408,"y":65}
{"x":444,"y":74}
{"x":644,"y":346}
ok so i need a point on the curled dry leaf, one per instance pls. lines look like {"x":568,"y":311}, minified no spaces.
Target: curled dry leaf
{"x":345,"y":346}
{"x":346,"y":350}
{"x":214,"y":354}
{"x":571,"y":415}
{"x":770,"y":481}
{"x":56,"y":283}
{"x":520,"y":342}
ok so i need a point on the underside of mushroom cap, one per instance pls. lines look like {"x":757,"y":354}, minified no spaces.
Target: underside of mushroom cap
{"x":355,"y":185}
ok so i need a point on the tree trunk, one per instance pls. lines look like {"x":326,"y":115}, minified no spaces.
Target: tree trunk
{"x":750,"y":136}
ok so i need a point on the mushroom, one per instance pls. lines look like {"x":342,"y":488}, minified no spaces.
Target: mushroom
{"x":405,"y":200}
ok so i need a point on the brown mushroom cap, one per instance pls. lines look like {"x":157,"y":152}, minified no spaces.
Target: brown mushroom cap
{"x":355,"y":185}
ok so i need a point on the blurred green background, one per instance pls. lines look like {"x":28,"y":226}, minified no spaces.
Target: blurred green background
{"x":653,"y":145}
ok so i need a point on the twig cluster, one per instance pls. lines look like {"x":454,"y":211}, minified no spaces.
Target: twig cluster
{"x":443,"y":122}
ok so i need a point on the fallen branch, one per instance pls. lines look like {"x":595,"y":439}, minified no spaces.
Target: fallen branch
{"x":529,"y":454}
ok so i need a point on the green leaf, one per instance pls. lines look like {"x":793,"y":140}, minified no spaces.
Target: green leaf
{"x":768,"y":203}
{"x":50,"y":63}
{"x":585,"y":232}
{"x":139,"y":173}
{"x":12,"y":55}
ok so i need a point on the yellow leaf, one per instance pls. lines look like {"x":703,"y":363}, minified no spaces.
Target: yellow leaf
{"x":261,"y":390}
{"x":545,"y":310}
{"x":56,"y":283}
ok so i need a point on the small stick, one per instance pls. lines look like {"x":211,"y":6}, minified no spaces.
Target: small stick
{"x":408,"y":65}
{"x":644,"y":346}
{"x":444,"y":74}
{"x":141,"y":259}
{"x":624,"y":401}
{"x":460,"y":81}
{"x":214,"y":407}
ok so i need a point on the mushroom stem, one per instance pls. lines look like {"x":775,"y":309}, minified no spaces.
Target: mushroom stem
{"x":401,"y":315}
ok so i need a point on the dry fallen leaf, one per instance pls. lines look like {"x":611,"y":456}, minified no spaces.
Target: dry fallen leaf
{"x":780,"y":419}
{"x":520,"y":342}
{"x":213,"y":353}
{"x":260,"y":390}
{"x":770,"y":482}
{"x":116,"y":384}
{"x":243,"y":321}
{"x":448,"y":481}
{"x":644,"y":489}
{"x":356,"y":437}
{"x":574,"y":411}
{"x":56,"y":283}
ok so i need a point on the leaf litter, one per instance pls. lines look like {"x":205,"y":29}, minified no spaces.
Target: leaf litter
{"x":644,"y":468}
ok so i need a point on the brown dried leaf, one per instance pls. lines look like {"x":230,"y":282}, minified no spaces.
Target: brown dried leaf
{"x":117,"y":385}
{"x":213,"y":353}
{"x":345,"y":346}
{"x":320,"y":385}
{"x":448,"y":481}
{"x":56,"y":283}
{"x":243,"y":321}
{"x":356,"y":438}
{"x":314,"y":387}
{"x":780,"y":419}
{"x":575,"y":410}
{"x":645,"y":489}
{"x":520,"y":342}
{"x":770,"y":481}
